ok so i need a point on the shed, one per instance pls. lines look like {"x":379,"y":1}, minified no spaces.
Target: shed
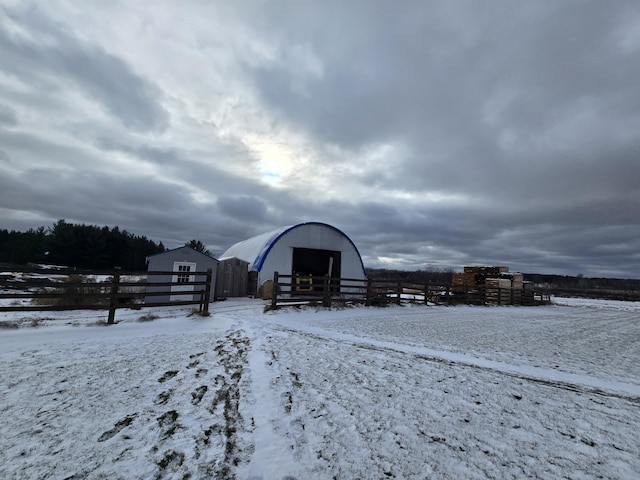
{"x":182,"y":261}
{"x":310,"y":248}
{"x":232,"y":278}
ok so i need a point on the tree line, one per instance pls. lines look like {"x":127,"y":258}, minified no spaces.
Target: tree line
{"x":77,"y":246}
{"x":593,"y":287}
{"x":430,"y":275}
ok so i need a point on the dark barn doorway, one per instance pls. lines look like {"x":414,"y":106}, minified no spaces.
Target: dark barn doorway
{"x":315,"y":262}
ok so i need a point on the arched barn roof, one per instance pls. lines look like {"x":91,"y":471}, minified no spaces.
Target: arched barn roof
{"x":255,"y":250}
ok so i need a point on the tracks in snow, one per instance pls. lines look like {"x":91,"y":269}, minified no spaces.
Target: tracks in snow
{"x":575,"y":383}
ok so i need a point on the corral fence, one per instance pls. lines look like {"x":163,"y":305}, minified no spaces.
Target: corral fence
{"x":490,"y":295}
{"x":324,"y":290}
{"x":57,"y":290}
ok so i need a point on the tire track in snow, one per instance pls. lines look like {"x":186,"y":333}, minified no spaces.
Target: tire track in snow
{"x":576,"y":383}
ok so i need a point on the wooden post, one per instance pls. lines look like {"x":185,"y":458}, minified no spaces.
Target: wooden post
{"x":326,"y":296}
{"x":399,"y":293}
{"x":113,"y":302}
{"x":274,"y":294}
{"x":207,"y":292}
{"x":426,"y":294}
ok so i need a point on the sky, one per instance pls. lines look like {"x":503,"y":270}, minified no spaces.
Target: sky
{"x":435,"y":134}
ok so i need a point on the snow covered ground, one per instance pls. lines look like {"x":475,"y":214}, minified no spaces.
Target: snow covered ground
{"x":409,"y":392}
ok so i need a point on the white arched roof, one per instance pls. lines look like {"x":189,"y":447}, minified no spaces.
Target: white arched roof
{"x":256,"y":249}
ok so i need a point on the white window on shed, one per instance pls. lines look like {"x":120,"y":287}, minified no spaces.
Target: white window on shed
{"x":183,"y":275}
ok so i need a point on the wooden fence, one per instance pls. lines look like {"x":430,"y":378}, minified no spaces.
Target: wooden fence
{"x":489,"y":295}
{"x":57,"y":290}
{"x":309,"y":290}
{"x":323,"y":290}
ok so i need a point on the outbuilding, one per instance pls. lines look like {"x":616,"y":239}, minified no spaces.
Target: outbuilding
{"x":183,"y":262}
{"x":310,"y":248}
{"x":232,"y":278}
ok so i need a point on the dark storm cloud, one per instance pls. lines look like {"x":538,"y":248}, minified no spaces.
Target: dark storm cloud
{"x":54,"y":55}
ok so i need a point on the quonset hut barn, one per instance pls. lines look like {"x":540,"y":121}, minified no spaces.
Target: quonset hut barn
{"x":310,"y":248}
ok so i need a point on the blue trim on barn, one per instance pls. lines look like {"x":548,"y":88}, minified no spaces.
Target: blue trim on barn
{"x":262,"y":256}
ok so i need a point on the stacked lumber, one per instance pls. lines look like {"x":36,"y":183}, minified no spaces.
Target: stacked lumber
{"x":475,"y":277}
{"x":498,"y":291}
{"x":497,"y":284}
{"x":517,"y":282}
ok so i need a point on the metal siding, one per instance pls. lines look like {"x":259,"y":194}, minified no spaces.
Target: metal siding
{"x":318,"y":236}
{"x":256,"y":250}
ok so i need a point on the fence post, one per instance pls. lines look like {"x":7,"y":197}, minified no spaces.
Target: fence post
{"x":207,"y":292}
{"x":426,"y":294}
{"x":399,"y":294}
{"x":113,"y":303}
{"x":274,"y":294}
{"x":326,"y":295}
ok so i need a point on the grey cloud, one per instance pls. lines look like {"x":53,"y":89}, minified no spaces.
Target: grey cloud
{"x":165,"y":157}
{"x":103,"y":77}
{"x":7,"y":116}
{"x":243,"y":207}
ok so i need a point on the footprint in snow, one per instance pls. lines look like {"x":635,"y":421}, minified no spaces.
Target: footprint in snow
{"x":125,"y":422}
{"x":168,"y":375}
{"x":196,"y":396}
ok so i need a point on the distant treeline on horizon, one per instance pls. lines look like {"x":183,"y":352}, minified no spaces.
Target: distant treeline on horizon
{"x":77,"y":246}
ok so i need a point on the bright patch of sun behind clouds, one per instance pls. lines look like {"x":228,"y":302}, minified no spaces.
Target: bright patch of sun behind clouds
{"x":275,"y":161}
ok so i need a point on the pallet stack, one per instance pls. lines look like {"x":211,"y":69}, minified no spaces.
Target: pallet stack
{"x":497,"y":291}
{"x":475,"y":277}
{"x":495,"y":285}
{"x":517,"y":283}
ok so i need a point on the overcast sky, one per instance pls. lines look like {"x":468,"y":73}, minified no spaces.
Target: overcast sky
{"x":433,"y":133}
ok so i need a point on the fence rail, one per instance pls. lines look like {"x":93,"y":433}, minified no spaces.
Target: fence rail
{"x":58,"y":290}
{"x":299,"y":290}
{"x":307,"y":289}
{"x":490,"y":295}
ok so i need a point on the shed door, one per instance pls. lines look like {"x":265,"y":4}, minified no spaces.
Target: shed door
{"x":182,"y":275}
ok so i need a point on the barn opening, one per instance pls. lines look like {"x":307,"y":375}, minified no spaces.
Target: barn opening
{"x":315,"y":262}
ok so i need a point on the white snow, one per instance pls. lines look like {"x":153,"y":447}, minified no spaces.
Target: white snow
{"x":408,"y":392}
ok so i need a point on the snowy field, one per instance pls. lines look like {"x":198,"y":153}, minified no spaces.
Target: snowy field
{"x":409,"y":392}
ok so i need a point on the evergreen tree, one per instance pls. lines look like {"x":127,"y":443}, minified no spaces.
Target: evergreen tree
{"x":198,"y":245}
{"x":80,"y":246}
